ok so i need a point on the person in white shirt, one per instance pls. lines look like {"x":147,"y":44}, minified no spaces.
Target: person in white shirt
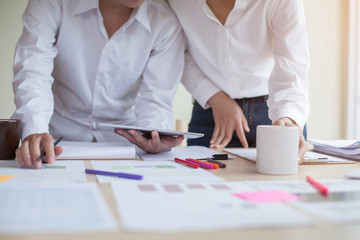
{"x":246,"y":64}
{"x":80,"y":62}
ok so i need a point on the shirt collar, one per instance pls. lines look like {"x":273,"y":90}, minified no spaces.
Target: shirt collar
{"x":82,"y":6}
{"x":141,"y":15}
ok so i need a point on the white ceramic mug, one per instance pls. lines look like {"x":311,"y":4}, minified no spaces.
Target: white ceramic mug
{"x":277,"y":149}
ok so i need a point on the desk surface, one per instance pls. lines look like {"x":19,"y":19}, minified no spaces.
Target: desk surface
{"x":237,"y":170}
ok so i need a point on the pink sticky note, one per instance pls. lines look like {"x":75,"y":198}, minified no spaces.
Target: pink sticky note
{"x":267,"y":196}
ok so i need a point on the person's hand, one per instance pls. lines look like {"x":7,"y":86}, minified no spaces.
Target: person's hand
{"x":32,"y":147}
{"x":156,"y":144}
{"x":228,"y":118}
{"x":285,"y":121}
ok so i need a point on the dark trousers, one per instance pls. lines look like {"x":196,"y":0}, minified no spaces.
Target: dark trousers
{"x":255,"y":111}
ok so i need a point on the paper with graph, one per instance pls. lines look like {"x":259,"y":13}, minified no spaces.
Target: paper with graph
{"x":197,"y":206}
{"x":155,"y":171}
{"x":55,"y":172}
{"x":53,"y":208}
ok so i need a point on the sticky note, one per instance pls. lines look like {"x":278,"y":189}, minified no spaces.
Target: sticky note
{"x":267,"y":196}
{"x":5,"y":178}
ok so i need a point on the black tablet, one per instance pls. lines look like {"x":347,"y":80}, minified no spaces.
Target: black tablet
{"x":147,"y":131}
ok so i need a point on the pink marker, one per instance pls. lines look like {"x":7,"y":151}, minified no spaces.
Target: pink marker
{"x":201,"y":164}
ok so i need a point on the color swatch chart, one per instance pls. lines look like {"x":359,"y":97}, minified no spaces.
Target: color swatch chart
{"x":172,"y":207}
{"x":154,"y":171}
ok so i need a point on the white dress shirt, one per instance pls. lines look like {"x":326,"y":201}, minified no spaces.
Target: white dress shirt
{"x":69,"y":74}
{"x":261,"y":49}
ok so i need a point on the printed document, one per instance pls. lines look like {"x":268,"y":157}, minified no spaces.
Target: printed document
{"x":197,"y":206}
{"x":97,"y":150}
{"x":59,"y":171}
{"x":159,"y":171}
{"x":53,"y":208}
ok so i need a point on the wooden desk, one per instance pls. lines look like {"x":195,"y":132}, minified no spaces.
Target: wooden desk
{"x":236,"y":170}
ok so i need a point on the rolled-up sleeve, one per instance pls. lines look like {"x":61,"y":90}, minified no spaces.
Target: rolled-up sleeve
{"x":288,"y":82}
{"x":33,"y":65}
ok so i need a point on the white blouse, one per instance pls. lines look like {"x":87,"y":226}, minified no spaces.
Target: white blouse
{"x":262,"y":49}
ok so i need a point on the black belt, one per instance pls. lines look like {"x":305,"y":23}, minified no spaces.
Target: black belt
{"x":259,"y":98}
{"x":242,"y":100}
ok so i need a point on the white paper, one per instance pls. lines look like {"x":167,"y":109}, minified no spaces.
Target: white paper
{"x":248,"y":153}
{"x":310,"y":156}
{"x":159,"y":171}
{"x":165,"y":207}
{"x":59,"y":171}
{"x":196,"y":152}
{"x":319,"y":157}
{"x":302,"y":186}
{"x":353,"y":174}
{"x":96,"y":150}
{"x":338,"y":212}
{"x":55,"y":208}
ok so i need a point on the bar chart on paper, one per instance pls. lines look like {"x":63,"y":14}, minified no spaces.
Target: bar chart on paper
{"x":154,"y":171}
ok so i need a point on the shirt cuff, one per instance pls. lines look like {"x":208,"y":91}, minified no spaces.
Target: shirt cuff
{"x":35,"y":124}
{"x":202,"y":96}
{"x":290,"y":113}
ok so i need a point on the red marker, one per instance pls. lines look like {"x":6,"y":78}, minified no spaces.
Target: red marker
{"x":190,"y":164}
{"x":320,"y":187}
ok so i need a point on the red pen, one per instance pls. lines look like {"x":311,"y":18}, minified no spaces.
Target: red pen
{"x":190,"y":164}
{"x":320,"y":187}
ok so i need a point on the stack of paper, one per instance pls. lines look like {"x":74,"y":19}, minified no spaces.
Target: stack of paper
{"x":351,"y":151}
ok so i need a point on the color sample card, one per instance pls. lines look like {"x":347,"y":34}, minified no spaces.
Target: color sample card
{"x":153,"y":171}
{"x":197,"y":206}
{"x":267,"y":196}
{"x":58,"y":171}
